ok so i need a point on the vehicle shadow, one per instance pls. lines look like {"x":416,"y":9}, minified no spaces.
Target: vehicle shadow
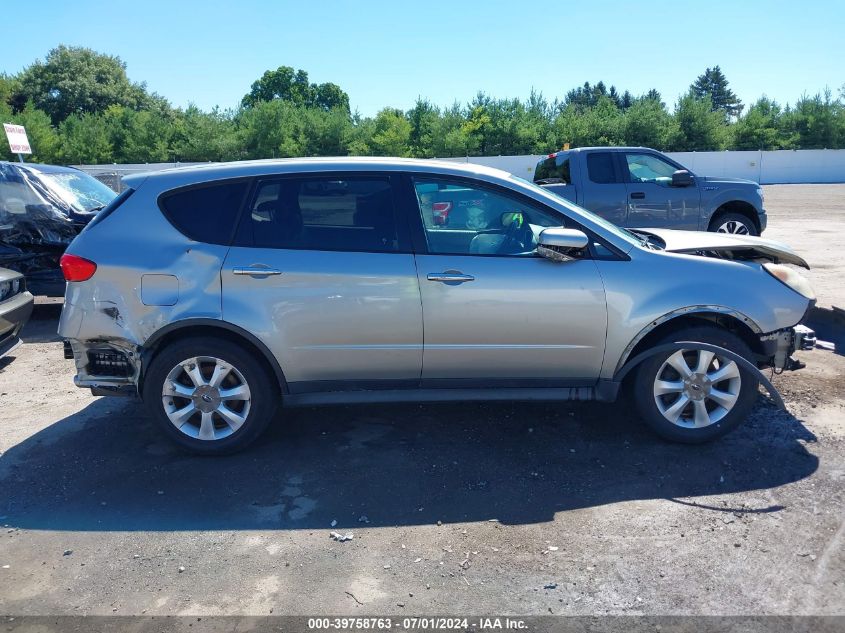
{"x":108,"y":468}
{"x":41,"y":327}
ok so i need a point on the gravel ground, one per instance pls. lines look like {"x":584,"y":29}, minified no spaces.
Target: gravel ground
{"x":471,"y":508}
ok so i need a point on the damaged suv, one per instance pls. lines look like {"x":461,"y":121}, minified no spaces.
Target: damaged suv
{"x":217,"y":292}
{"x":42,"y":208}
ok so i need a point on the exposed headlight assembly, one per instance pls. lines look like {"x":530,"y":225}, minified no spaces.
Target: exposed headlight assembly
{"x":791,"y":278}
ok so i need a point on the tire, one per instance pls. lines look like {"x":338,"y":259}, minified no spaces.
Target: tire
{"x":658,"y":403}
{"x":217,"y":425}
{"x":734,"y":223}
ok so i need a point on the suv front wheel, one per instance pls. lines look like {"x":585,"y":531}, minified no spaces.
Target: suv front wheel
{"x":694,"y":395}
{"x":209,"y":395}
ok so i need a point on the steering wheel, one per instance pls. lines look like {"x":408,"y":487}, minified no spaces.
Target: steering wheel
{"x":511,"y":242}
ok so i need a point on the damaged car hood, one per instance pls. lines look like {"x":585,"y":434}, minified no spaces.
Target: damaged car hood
{"x":726,"y":245}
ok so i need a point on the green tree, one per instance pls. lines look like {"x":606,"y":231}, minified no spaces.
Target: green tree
{"x":205,"y":136}
{"x":758,"y":128}
{"x":817,"y":122}
{"x":647,"y":123}
{"x":423,"y":118}
{"x":714,"y":84}
{"x":699,"y":127}
{"x":76,"y":80}
{"x":292,"y":86}
{"x":391,"y":134}
{"x":85,"y":140}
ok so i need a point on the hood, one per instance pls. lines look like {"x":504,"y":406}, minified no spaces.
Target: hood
{"x":726,"y":245}
{"x":728,"y":181}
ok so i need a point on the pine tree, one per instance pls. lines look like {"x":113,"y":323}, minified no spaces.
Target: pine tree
{"x":714,"y":84}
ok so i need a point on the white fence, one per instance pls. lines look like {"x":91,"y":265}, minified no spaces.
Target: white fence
{"x":769,"y":167}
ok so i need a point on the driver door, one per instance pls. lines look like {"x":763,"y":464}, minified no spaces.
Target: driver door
{"x":652,"y":200}
{"x":494,"y":312}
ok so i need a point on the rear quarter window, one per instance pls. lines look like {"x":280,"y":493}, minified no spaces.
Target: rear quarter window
{"x":205,"y":213}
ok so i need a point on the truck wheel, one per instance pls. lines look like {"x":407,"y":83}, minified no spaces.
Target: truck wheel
{"x":693,"y":395}
{"x":209,"y":396}
{"x":734,"y":223}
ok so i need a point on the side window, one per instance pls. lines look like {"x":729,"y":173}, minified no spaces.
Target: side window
{"x":206,"y":213}
{"x":649,"y":168}
{"x":553,"y":169}
{"x":354,"y":214}
{"x":468,"y":219}
{"x":600,"y":168}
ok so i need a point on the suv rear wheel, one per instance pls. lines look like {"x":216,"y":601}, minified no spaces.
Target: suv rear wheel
{"x":210,"y":396}
{"x":693,"y":395}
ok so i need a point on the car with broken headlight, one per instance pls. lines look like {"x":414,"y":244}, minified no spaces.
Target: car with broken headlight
{"x":218,"y":292}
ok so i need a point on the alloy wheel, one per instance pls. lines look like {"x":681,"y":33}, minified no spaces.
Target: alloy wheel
{"x":696,"y":388}
{"x":206,"y":398}
{"x":734,"y":227}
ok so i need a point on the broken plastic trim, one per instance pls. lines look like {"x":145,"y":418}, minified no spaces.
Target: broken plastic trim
{"x":740,"y":360}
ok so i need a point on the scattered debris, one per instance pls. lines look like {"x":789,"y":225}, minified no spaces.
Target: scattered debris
{"x":363,"y":519}
{"x":340,"y":538}
{"x":417,"y":560}
{"x":439,"y":522}
{"x":551,"y":585}
{"x":334,"y":522}
{"x":387,"y":566}
{"x":553,"y":548}
{"x":136,"y":556}
{"x":181,"y":569}
{"x":400,"y":604}
{"x":67,"y":552}
{"x":352,"y":595}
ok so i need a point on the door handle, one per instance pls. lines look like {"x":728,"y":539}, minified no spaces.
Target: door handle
{"x":255,"y":271}
{"x":450,"y":277}
{"x":638,"y":195}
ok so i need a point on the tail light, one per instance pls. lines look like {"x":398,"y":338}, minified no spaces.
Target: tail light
{"x":440,"y":212}
{"x":76,"y":268}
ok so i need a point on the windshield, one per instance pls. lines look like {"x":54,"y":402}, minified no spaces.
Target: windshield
{"x":78,"y":189}
{"x":610,"y":227}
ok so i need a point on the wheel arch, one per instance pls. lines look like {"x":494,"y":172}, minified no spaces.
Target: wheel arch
{"x":720,"y":316}
{"x":741,"y":207}
{"x":209,"y":327}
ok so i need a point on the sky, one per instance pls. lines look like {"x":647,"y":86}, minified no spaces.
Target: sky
{"x":389,"y":53}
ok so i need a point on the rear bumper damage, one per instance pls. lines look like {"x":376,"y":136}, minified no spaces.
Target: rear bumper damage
{"x":108,"y":368}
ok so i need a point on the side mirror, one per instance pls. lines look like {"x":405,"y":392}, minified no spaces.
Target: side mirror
{"x":557,"y":243}
{"x":681,"y":178}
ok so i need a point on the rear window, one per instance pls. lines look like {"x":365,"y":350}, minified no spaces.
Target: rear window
{"x":206,"y":213}
{"x":554,"y":169}
{"x":600,"y":168}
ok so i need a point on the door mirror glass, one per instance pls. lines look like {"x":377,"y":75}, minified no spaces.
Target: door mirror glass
{"x":560,"y":244}
{"x":681,"y":178}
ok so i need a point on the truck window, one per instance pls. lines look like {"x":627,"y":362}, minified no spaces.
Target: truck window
{"x":600,"y":168}
{"x":649,"y":168}
{"x":553,"y":168}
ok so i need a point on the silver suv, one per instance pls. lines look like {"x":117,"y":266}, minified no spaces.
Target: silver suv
{"x":217,"y":292}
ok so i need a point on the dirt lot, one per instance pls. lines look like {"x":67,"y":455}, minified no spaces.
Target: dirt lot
{"x":504,"y":508}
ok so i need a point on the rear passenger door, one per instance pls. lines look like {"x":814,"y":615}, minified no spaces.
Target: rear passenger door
{"x":323,"y":273}
{"x":604,"y":188}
